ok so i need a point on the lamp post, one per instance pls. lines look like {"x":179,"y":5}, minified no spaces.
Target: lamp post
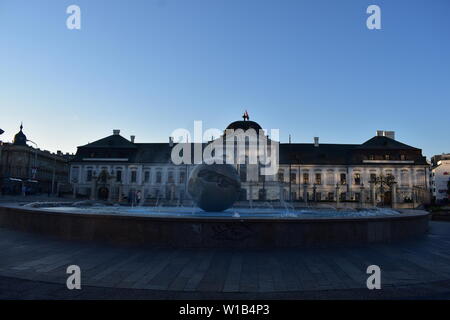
{"x":305,"y":193}
{"x":34,"y":171}
{"x":361,"y":195}
{"x":337,"y":194}
{"x":315,"y":193}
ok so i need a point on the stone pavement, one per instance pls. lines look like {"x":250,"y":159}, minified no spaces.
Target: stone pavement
{"x":34,"y":267}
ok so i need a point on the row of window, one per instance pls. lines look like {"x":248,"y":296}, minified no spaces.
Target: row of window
{"x":387,"y":157}
{"x":118,"y":176}
{"x":318,"y":178}
{"x":330,"y":178}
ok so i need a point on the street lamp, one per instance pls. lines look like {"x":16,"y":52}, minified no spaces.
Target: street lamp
{"x":34,"y":170}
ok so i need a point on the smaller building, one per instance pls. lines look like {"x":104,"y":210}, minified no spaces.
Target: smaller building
{"x":28,"y":170}
{"x":440,"y":178}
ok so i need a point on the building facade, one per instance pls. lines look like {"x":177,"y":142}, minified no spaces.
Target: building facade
{"x":380,"y":171}
{"x":440,"y":178}
{"x":28,"y":170}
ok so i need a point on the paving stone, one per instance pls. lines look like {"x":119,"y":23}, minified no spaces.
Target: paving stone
{"x":36,"y":261}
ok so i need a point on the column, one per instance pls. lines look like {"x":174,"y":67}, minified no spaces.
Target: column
{"x":349,"y":183}
{"x":373,"y":194}
{"x":305,"y":193}
{"x":361,"y":196}
{"x":337,"y":194}
{"x":93,"y":185}
{"x":394,"y":195}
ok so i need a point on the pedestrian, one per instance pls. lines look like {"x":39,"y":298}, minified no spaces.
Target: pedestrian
{"x":138,"y":197}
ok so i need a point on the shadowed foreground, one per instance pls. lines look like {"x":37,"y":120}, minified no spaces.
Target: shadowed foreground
{"x":34,"y":267}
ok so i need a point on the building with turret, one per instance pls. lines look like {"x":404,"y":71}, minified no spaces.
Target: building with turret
{"x":25,"y":169}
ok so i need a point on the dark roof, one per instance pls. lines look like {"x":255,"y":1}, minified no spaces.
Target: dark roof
{"x":382,"y":142}
{"x":308,"y":153}
{"x":112,"y":141}
{"x":244,"y":125}
{"x":153,"y":152}
{"x":116,"y":146}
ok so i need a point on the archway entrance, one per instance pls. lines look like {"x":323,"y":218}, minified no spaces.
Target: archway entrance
{"x":243,"y":195}
{"x":387,"y":198}
{"x":103,"y":193}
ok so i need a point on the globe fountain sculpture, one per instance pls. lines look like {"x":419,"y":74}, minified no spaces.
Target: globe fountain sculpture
{"x":214,"y":187}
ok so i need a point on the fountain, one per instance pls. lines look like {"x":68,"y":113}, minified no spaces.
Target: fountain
{"x":213,"y":221}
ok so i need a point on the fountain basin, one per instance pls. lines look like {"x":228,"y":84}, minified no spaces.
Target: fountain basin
{"x":190,"y":229}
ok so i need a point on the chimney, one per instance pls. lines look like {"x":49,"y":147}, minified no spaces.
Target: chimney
{"x":171,"y":141}
{"x":132,"y":138}
{"x":316,"y":141}
{"x":116,"y":132}
{"x":388,"y":134}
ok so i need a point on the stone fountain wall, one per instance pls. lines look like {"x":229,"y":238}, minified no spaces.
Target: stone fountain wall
{"x":216,"y":232}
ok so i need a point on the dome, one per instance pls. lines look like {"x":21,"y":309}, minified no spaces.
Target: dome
{"x":245,"y":125}
{"x":20,"y":139}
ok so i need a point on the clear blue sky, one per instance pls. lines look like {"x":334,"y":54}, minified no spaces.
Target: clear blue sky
{"x":309,"y":68}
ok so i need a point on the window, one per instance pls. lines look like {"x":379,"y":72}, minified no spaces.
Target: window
{"x":318,"y":196}
{"x":170,"y":178}
{"x":357,"y":178}
{"x":330,"y":196}
{"x":343,"y":178}
{"x":103,"y":175}
{"x":387,"y":157}
{"x":182,"y":177}
{"x":133,"y":176}
{"x":281,"y":175}
{"x":158,"y":177}
{"x":118,"y":175}
{"x":330,"y":178}
{"x":371,"y":157}
{"x":306,"y":178}
{"x":243,"y":173}
{"x":402,"y":157}
{"x":293,"y":178}
{"x":75,"y":171}
{"x":147,"y":176}
{"x":318,"y":178}
{"x":420,"y":176}
{"x":373,"y":177}
{"x":261,"y":178}
{"x":262,"y":194}
{"x":89,"y":175}
{"x":404,"y":177}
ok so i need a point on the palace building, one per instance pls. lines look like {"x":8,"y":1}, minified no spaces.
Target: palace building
{"x":379,"y":171}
